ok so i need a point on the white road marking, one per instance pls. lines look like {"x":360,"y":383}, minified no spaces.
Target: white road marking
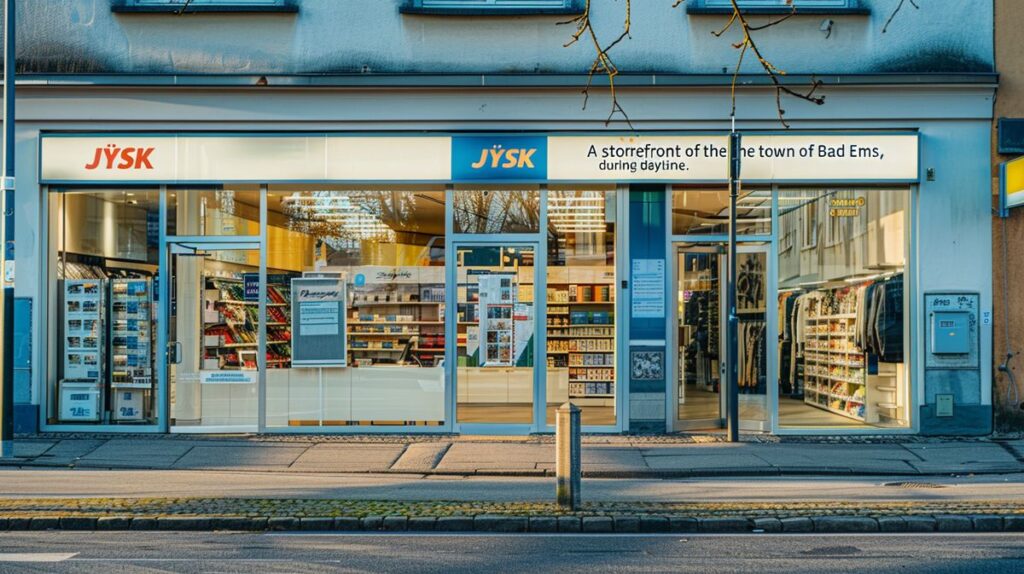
{"x":36,"y":556}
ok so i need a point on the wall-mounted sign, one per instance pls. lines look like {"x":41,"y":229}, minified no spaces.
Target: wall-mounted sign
{"x":497,"y":158}
{"x":832,"y":157}
{"x":318,"y":322}
{"x":1011,"y":185}
{"x":197,"y":158}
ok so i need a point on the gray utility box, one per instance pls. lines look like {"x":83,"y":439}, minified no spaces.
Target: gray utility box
{"x":952,"y":365}
{"x":950,"y":333}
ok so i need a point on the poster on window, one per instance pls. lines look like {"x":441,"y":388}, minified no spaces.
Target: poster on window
{"x":497,"y":324}
{"x":318,"y":322}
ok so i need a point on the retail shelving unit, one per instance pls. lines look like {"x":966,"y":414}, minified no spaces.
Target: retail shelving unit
{"x":396,"y":324}
{"x":581,"y":337}
{"x":231,"y":336}
{"x":835,"y":372}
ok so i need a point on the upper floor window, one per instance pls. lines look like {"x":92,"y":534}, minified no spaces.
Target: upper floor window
{"x":777,"y":6}
{"x":191,"y":6}
{"x":492,"y":7}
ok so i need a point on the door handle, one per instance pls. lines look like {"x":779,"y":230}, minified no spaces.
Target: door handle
{"x":174,"y":353}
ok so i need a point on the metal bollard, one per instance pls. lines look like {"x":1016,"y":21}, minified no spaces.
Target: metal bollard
{"x":568,"y":458}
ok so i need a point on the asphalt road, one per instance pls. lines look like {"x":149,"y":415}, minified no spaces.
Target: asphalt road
{"x":271,"y":553}
{"x":181,"y":483}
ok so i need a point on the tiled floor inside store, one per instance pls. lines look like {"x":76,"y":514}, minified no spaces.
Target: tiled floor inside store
{"x":704,"y":405}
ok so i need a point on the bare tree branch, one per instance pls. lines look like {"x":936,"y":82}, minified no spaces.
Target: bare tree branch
{"x":897,"y":11}
{"x":184,"y":7}
{"x":773,"y":72}
{"x":602,"y":63}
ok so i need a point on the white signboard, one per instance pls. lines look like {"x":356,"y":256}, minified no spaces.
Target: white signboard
{"x":845,"y":157}
{"x":625,"y":158}
{"x":192,"y":158}
{"x":318,"y":322}
{"x":648,"y":289}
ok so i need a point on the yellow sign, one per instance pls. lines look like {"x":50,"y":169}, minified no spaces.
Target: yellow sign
{"x":1011,"y":185}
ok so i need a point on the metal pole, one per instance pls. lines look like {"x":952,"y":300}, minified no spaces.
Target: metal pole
{"x":732,"y":415}
{"x":568,"y":457}
{"x":7,"y":412}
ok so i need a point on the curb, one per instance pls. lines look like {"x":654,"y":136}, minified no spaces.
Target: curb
{"x":598,"y":524}
{"x":531,"y":473}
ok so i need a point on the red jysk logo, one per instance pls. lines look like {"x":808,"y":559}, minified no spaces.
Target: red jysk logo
{"x":114,"y":157}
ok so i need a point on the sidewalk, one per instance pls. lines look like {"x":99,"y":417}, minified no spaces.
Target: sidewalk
{"x":603,"y":456}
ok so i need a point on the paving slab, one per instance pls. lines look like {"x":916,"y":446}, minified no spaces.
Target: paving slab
{"x":32,"y":448}
{"x":235,"y":457}
{"x":348,"y":457}
{"x":498,"y":452}
{"x":67,"y":451}
{"x":707,"y":462}
{"x":421,"y":456}
{"x":612,"y":457}
{"x":137,"y":453}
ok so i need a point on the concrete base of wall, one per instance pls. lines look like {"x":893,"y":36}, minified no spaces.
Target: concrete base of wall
{"x":26,"y":419}
{"x":967,"y":420}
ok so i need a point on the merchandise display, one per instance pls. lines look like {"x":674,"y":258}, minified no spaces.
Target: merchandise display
{"x":581,"y":337}
{"x":230,"y":325}
{"x":131,"y":347}
{"x":396,"y":324}
{"x":840,"y":341}
{"x":82,"y":387}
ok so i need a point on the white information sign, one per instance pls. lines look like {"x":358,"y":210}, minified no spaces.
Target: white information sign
{"x":318,"y":318}
{"x":648,"y":289}
{"x":237,"y":377}
{"x":318,"y":322}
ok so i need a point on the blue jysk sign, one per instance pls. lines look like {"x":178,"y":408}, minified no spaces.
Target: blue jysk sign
{"x":499,"y":158}
{"x":251,"y":282}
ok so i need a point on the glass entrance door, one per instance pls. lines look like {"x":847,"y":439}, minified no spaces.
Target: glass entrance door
{"x":496,"y":332}
{"x":700,"y":325}
{"x":214,"y":319}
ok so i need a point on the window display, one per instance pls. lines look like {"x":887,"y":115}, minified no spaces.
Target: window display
{"x":496,"y":333}
{"x":387,"y":245}
{"x":581,"y":302}
{"x":103,"y":307}
{"x":841,"y":309}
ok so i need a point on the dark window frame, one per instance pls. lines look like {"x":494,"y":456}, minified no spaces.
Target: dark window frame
{"x":205,"y":6}
{"x":699,"y":7}
{"x":451,"y":8}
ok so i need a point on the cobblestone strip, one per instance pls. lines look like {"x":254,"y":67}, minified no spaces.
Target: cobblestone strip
{"x":602,"y":524}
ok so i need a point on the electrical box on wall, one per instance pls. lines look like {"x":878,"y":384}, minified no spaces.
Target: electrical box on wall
{"x":952,"y":362}
{"x":950,"y":333}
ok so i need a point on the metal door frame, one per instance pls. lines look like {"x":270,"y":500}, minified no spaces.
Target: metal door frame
{"x":173,"y":246}
{"x":717,"y":245}
{"x":539,"y":335}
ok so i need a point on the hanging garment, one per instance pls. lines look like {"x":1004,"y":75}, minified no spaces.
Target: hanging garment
{"x":862,"y":307}
{"x":889,"y":323}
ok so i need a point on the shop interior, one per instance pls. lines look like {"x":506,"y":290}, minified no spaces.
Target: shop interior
{"x":841,"y":341}
{"x":388,"y":245}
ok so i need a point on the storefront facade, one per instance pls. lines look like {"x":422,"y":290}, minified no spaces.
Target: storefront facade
{"x":473,"y":277}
